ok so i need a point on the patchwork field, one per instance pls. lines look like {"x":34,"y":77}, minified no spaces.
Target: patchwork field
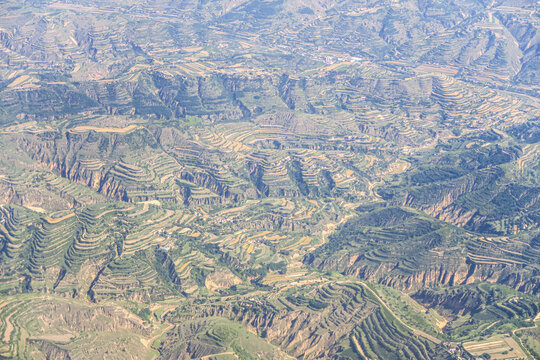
{"x":497,"y":348}
{"x":269,"y":179}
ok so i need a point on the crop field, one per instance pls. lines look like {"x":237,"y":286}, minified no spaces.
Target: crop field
{"x":497,"y":348}
{"x":269,"y":180}
{"x":124,"y":130}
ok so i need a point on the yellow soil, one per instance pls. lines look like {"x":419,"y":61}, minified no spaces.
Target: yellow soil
{"x":139,"y":67}
{"x":192,"y":49}
{"x":36,"y":209}
{"x":448,"y":70}
{"x":303,"y":241}
{"x":20,"y":80}
{"x":236,"y":240}
{"x":183,"y":267}
{"x":245,"y":45}
{"x":50,"y":220}
{"x":9,"y":329}
{"x":272,"y":278}
{"x":371,"y":159}
{"x":228,"y":211}
{"x":56,"y":337}
{"x":358,"y":347}
{"x":165,"y":178}
{"x":134,"y":77}
{"x":491,"y":260}
{"x":398,"y":167}
{"x":173,"y":229}
{"x":500,"y":132}
{"x":258,"y":235}
{"x":150,"y":202}
{"x":275,"y":238}
{"x":22,"y":126}
{"x":283,"y":289}
{"x":441,"y":323}
{"x":334,"y":66}
{"x":124,"y":130}
{"x":148,"y":342}
{"x":308,"y":216}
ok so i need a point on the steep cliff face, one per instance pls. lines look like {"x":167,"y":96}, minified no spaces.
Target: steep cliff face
{"x":208,"y":181}
{"x":41,"y":200}
{"x":470,"y":189}
{"x":478,"y":302}
{"x":405,"y":91}
{"x":50,"y":350}
{"x":103,"y":318}
{"x":64,"y":155}
{"x":229,"y":173}
{"x":448,"y":272}
{"x":323,"y":322}
{"x":336,"y":308}
{"x":66,"y":329}
{"x":401,"y":249}
{"x":440,"y":200}
{"x":387,"y":133}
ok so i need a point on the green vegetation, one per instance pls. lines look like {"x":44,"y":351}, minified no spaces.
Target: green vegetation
{"x":269,"y":179}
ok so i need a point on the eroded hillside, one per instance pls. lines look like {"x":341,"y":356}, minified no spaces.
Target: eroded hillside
{"x":269,"y":179}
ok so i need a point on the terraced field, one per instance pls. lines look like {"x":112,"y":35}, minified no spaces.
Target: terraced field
{"x":269,"y":179}
{"x":497,"y":348}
